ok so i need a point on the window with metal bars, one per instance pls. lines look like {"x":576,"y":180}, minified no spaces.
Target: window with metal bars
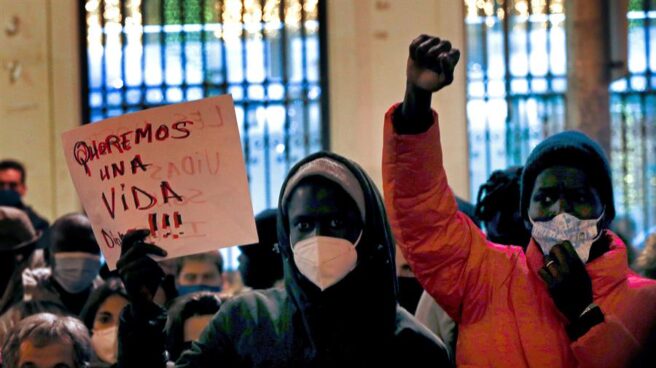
{"x":633,"y":112}
{"x":516,"y":80}
{"x":266,"y":53}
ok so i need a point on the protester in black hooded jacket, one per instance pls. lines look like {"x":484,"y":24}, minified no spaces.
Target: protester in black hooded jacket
{"x":354,"y":321}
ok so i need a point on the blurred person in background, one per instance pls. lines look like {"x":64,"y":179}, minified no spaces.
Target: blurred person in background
{"x":260,"y":264}
{"x":187,"y":318}
{"x":101,"y":315}
{"x":199,"y":272}
{"x":24,"y":309}
{"x":17,"y":244}
{"x":46,"y":340}
{"x":13,"y":188}
{"x":645,"y":263}
{"x":75,"y":264}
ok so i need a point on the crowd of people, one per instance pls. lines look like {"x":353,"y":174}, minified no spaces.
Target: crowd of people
{"x":531,"y":275}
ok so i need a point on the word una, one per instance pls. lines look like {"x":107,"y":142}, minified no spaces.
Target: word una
{"x":142,"y":199}
{"x":118,"y":168}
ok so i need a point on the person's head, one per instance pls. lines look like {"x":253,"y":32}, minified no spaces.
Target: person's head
{"x":17,"y":242}
{"x":260,"y":264}
{"x":645,"y":264}
{"x":74,"y":253}
{"x":188,"y":317}
{"x":47,"y":341}
{"x":566,"y":185}
{"x":625,"y":227}
{"x":12,"y":176}
{"x":200,"y":272}
{"x":337,"y":247}
{"x":497,"y":206}
{"x":101,"y":315}
{"x":325,"y":214}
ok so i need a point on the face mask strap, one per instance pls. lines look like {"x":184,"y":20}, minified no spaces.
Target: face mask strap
{"x":599,"y":233}
{"x":357,"y":241}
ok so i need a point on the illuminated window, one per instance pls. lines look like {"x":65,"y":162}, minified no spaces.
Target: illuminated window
{"x":633,"y":110}
{"x":516,"y":80}
{"x":266,"y":53}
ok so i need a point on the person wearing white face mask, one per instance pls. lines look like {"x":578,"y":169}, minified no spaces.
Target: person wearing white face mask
{"x":101,"y":315}
{"x":339,"y":304}
{"x":570,"y":299}
{"x":74,"y":257}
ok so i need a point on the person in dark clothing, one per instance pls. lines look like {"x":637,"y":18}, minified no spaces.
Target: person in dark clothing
{"x":13,"y":188}
{"x":260,"y":264}
{"x":74,"y":257}
{"x":188,"y":317}
{"x":339,"y":305}
{"x":497,"y":206}
{"x":17,"y":244}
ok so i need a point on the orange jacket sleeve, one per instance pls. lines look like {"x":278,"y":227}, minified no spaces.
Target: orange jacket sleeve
{"x":449,"y":255}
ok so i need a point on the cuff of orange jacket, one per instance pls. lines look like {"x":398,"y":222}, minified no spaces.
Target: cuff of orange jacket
{"x":416,"y":156}
{"x":586,"y":321}
{"x":405,"y":126}
{"x":607,"y":344}
{"x":412,"y":163}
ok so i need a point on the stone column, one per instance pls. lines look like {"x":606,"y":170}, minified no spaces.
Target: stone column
{"x":588,"y":61}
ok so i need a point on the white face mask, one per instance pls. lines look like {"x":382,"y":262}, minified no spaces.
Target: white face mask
{"x":75,"y":271}
{"x":105,"y":344}
{"x":325,"y":260}
{"x":580,"y":233}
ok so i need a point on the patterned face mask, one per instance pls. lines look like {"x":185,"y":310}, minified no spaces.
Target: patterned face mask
{"x":565,"y":227}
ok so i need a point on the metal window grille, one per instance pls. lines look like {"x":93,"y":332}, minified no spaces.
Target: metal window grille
{"x":266,"y":53}
{"x":633,"y":111}
{"x":516,"y":80}
{"x":516,"y":76}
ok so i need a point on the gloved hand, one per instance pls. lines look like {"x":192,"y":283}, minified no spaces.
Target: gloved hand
{"x":568,"y":281}
{"x":141,"y":275}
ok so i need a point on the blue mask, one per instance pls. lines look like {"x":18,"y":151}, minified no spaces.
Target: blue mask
{"x":76,"y":271}
{"x":188,"y":289}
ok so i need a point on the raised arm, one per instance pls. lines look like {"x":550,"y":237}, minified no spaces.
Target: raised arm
{"x":448,"y":253}
{"x":141,"y":327}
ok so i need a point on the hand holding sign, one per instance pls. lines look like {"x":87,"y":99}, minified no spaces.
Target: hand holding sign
{"x":176,"y":170}
{"x":140,"y":273}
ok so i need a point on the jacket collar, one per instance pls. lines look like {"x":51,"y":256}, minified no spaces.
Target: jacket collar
{"x":606,"y":272}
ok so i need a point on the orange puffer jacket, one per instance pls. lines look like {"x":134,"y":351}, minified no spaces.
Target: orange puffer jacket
{"x":505,"y":313}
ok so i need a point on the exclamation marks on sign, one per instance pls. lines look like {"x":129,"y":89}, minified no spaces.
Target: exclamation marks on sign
{"x":152,"y":224}
{"x":165,"y":230}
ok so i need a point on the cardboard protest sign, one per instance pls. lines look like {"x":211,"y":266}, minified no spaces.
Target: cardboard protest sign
{"x":176,"y":170}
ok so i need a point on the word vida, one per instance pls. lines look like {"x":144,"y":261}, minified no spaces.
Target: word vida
{"x":141,"y":199}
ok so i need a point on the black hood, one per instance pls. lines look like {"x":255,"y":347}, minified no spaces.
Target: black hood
{"x":365,"y":301}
